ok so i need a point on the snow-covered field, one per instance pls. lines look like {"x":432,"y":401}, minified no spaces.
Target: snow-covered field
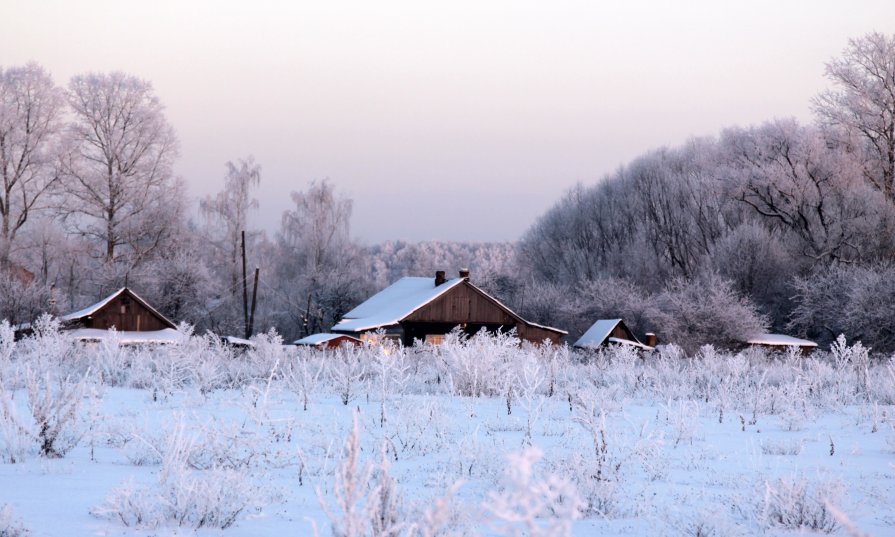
{"x":473,"y":438}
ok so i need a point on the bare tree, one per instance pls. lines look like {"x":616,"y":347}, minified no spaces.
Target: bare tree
{"x":119,"y":172}
{"x":31,"y":122}
{"x":863,"y":105}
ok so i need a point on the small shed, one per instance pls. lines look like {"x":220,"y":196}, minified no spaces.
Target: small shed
{"x":426,"y":309}
{"x":327,"y":341}
{"x":609,"y":331}
{"x":780,"y":342}
{"x":134,"y":321}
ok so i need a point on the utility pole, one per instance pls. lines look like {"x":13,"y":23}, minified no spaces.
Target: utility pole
{"x":254,"y":303}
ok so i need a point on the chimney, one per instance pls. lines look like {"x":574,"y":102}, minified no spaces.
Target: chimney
{"x":439,"y":277}
{"x":650,"y":339}
{"x":464,"y":273}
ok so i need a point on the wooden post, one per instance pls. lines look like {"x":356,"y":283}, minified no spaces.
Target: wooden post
{"x":254,"y":302}
{"x":245,"y":290}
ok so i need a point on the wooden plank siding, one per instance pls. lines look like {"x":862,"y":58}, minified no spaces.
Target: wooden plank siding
{"x":462,"y":305}
{"x":125,"y":314}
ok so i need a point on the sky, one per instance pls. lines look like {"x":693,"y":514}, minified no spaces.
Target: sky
{"x":461,"y":120}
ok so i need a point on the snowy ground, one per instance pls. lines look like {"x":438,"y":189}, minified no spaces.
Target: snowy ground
{"x":713,"y":445}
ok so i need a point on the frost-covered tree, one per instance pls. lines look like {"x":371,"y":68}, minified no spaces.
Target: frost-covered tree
{"x":123,"y":195}
{"x":792,"y":177}
{"x":862,"y":105}
{"x":226,"y":214}
{"x":31,"y":125}
{"x":320,"y":272}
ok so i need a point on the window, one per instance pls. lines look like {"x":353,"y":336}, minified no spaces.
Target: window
{"x":434,"y":339}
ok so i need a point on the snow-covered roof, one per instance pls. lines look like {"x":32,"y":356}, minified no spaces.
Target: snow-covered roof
{"x":389,"y":306}
{"x":92,"y":309}
{"x":779,"y":340}
{"x":166,"y":335}
{"x":237,"y":341}
{"x":599,"y":333}
{"x":629,"y":342}
{"x":317,"y":339}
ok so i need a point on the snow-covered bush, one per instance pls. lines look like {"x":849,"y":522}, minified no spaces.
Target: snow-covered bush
{"x":528,"y":504}
{"x":799,"y":504}
{"x":182,"y":495}
{"x":10,"y":527}
{"x":53,"y":427}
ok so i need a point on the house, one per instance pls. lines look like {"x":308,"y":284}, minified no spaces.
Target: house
{"x":612,"y":331}
{"x":327,"y":341}
{"x":134,"y":320}
{"x":780,"y":342}
{"x":419,"y":308}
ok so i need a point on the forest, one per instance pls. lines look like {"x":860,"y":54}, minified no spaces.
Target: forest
{"x":779,"y":226}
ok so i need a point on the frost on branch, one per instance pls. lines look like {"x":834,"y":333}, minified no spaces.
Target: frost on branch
{"x":536,"y":506}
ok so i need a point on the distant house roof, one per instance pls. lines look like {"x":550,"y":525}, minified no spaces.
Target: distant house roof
{"x":401,"y":299}
{"x":397,"y":301}
{"x":600,"y":332}
{"x":168,"y":335}
{"x":94,"y":308}
{"x":319,"y":339}
{"x":779,"y":340}
{"x":234,"y":341}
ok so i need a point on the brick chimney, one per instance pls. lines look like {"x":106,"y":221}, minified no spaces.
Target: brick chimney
{"x":464,"y":273}
{"x":650,"y":339}
{"x":439,"y":277}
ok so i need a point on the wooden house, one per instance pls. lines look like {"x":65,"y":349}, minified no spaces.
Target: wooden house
{"x":327,"y":341}
{"x":425,"y":309}
{"x":612,"y":332}
{"x":134,"y":320}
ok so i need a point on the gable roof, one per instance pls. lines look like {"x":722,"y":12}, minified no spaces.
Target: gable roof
{"x":600,"y":331}
{"x":407,"y":295}
{"x":397,"y":301}
{"x":94,"y":308}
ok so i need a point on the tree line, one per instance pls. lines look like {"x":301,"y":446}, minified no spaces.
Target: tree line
{"x":781,"y":226}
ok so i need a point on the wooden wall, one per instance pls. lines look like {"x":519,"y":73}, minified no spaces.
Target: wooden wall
{"x":126,"y":315}
{"x":462,"y":304}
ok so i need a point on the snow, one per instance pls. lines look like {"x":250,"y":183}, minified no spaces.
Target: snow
{"x":780,"y":340}
{"x":684,"y":446}
{"x":238,"y":341}
{"x":317,"y":339}
{"x":621,"y":341}
{"x":395,"y":302}
{"x":166,"y":335}
{"x":93,"y":308}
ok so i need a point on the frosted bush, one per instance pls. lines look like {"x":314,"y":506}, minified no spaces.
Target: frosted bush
{"x":9,"y":526}
{"x":532,"y":505}
{"x":53,"y":425}
{"x":798,"y":504}
{"x":7,"y":346}
{"x":785,"y":447}
{"x":345,"y":370}
{"x":478,"y":366}
{"x":302,"y":375}
{"x":213,"y":497}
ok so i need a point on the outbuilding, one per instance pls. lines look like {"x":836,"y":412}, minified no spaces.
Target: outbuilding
{"x":612,"y":332}
{"x":326,"y":341}
{"x":134,"y":321}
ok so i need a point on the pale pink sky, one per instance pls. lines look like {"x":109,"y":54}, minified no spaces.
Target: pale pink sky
{"x":456,"y":120}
